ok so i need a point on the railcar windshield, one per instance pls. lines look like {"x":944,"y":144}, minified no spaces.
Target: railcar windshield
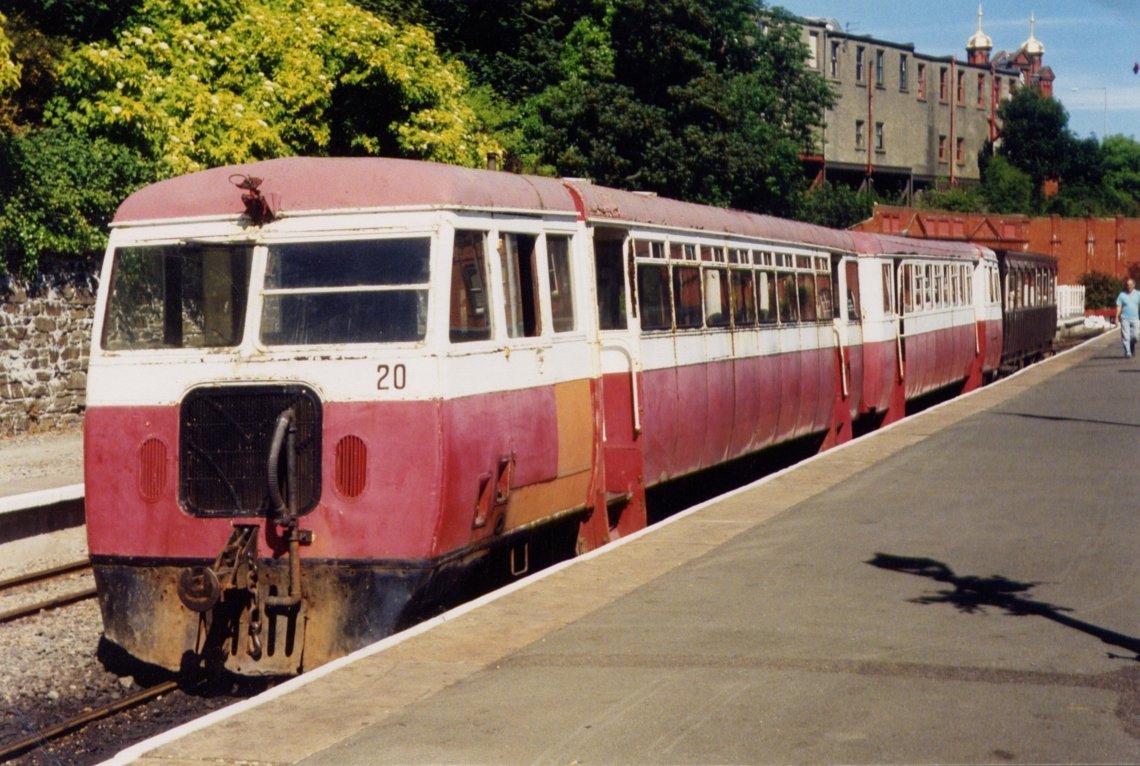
{"x":177,"y":296}
{"x":355,"y":291}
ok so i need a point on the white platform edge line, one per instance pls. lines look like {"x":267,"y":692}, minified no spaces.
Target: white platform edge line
{"x":39,"y":498}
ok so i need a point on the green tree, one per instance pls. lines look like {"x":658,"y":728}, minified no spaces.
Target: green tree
{"x":701,"y":100}
{"x":1121,"y":165}
{"x":1100,"y":289}
{"x":58,"y":193}
{"x":839,"y":207}
{"x":1035,"y":137}
{"x":958,"y":199}
{"x":224,"y":81}
{"x":1005,"y":188}
{"x":9,"y":69}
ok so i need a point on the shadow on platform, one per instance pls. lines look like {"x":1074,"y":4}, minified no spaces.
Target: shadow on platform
{"x":971,"y":594}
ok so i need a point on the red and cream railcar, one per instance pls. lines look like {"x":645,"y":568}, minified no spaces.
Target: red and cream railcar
{"x":321,"y":400}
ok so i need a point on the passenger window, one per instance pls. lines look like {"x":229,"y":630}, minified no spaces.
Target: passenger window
{"x":766,"y":292}
{"x":561,"y":289}
{"x":908,"y":288}
{"x":888,"y":290}
{"x":823,"y":296}
{"x":687,"y":296}
{"x":516,"y":257}
{"x":716,"y":297}
{"x":854,"y":301}
{"x":470,"y":317}
{"x":653,"y":296}
{"x":743,"y":297}
{"x":610,"y":284}
{"x":789,"y":300}
{"x":807,"y":296}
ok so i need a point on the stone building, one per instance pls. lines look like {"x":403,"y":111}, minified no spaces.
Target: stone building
{"x":905,"y":120}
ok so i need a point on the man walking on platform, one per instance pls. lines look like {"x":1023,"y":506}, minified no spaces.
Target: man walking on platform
{"x":1128,"y":317}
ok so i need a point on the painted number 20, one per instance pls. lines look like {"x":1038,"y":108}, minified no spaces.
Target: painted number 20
{"x":394,"y":376}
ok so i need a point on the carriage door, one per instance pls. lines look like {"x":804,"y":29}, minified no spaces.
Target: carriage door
{"x":619,"y":393}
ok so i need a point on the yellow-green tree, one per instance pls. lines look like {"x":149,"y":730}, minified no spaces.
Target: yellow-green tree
{"x":9,"y":70}
{"x":212,"y":82}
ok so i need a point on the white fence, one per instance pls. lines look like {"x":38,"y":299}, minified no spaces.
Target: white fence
{"x":1070,"y":301}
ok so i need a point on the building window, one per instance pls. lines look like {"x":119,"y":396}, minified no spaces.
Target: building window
{"x":960,"y":151}
{"x":922,"y":81}
{"x":813,"y":50}
{"x":961,"y":87}
{"x":879,"y":69}
{"x":903,"y":83}
{"x":835,"y":60}
{"x":943,"y":84}
{"x":879,"y":146}
{"x":860,"y":51}
{"x":942,"y":149}
{"x":981,"y":90}
{"x":859,"y":134}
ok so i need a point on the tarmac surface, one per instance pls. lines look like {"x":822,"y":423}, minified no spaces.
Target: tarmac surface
{"x":958,"y":588}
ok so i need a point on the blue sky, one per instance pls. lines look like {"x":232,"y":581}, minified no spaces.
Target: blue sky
{"x":1091,"y":45}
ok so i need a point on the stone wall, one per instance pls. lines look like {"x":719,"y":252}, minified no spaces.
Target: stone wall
{"x":45,"y":341}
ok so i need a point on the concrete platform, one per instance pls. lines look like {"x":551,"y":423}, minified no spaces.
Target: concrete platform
{"x":41,"y":484}
{"x":959,"y":588}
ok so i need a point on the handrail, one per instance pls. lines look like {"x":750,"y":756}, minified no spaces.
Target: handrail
{"x":842,"y":357}
{"x":632,"y":382}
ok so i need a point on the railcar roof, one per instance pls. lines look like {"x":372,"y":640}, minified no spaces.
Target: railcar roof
{"x":601,"y":202}
{"x":316,"y":184}
{"x":888,"y":244}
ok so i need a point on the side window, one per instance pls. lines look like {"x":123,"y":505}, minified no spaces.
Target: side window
{"x":687,"y":296}
{"x":807,"y":296}
{"x":558,"y":277}
{"x":827,"y":307}
{"x":888,"y":291}
{"x":610,"y":283}
{"x":470,"y":314}
{"x":789,"y":300}
{"x":906,"y":282}
{"x":716,"y":297}
{"x":743,"y":297}
{"x":516,"y":256}
{"x":653,"y":286}
{"x":766,"y":292}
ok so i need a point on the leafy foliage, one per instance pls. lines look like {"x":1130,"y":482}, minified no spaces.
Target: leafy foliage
{"x":706,"y":101}
{"x":956,"y":199}
{"x":58,"y":193}
{"x":225,"y":81}
{"x":1005,"y":188}
{"x":839,"y":207}
{"x":1100,"y":289}
{"x":9,"y":69}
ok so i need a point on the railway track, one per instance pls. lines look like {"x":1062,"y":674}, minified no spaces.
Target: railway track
{"x":45,"y":736}
{"x":38,"y":578}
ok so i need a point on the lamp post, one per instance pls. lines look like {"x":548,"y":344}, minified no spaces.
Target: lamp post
{"x":1104,"y":135}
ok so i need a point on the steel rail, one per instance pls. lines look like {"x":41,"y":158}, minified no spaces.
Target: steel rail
{"x":41,"y":738}
{"x":51,"y":603}
{"x":44,"y":574}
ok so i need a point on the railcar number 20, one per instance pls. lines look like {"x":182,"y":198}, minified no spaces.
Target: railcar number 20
{"x":394,"y":376}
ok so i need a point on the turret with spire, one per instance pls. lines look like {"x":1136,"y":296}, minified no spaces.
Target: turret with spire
{"x":979,"y":46}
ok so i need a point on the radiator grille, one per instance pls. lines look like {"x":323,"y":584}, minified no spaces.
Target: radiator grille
{"x":226,"y":434}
